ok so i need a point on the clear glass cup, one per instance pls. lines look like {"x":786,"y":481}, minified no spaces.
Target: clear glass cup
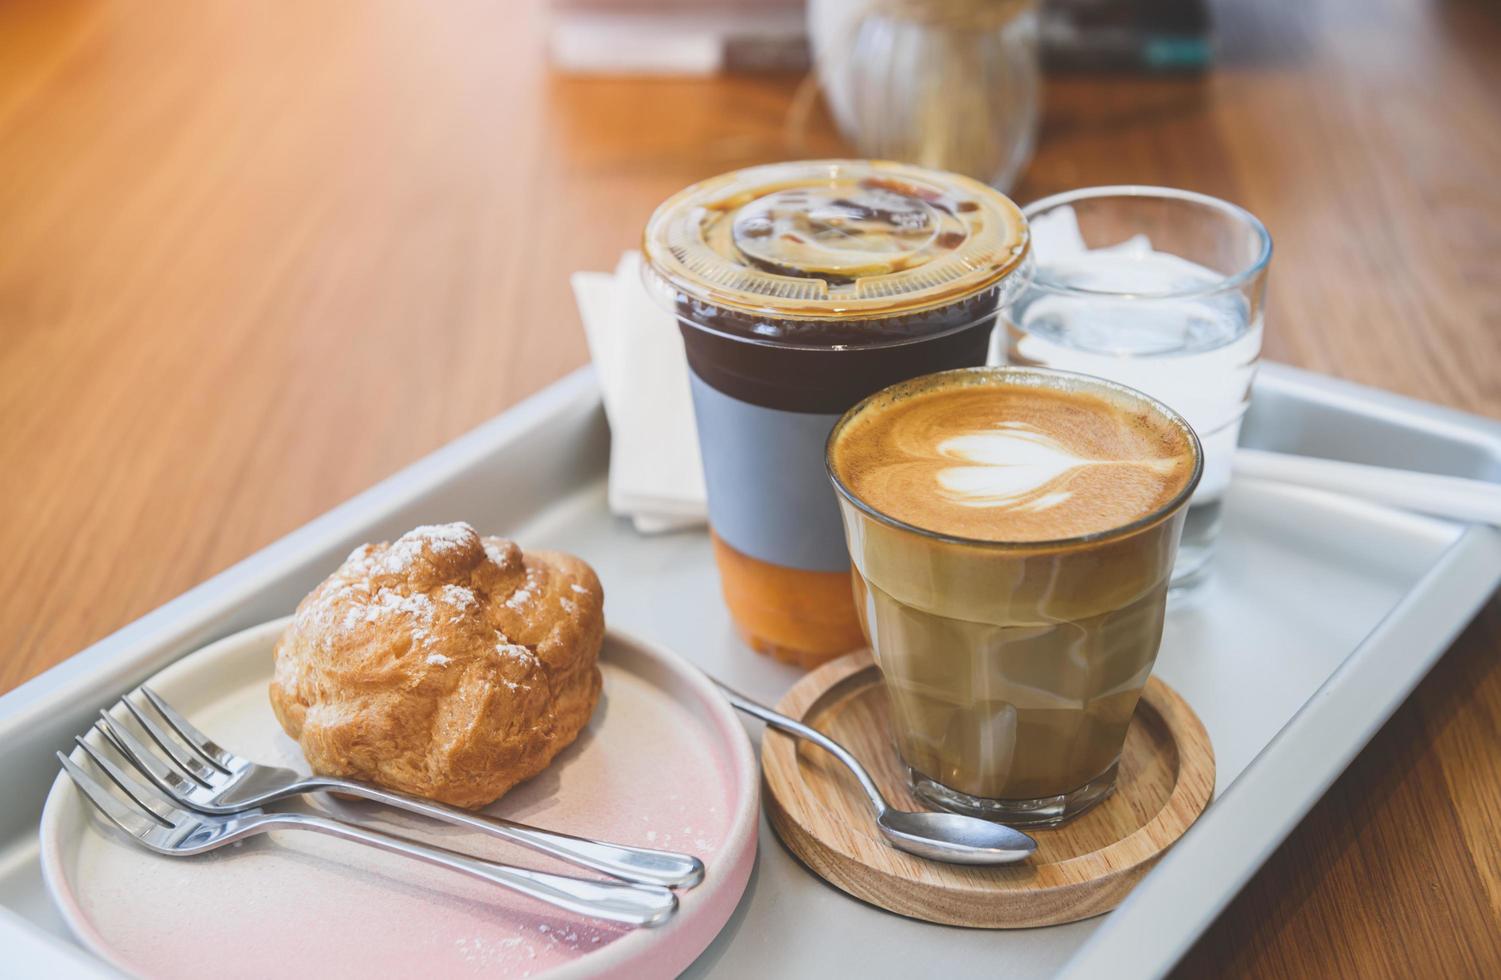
{"x":1012,"y":668}
{"x":949,"y":84}
{"x":1162,"y":290}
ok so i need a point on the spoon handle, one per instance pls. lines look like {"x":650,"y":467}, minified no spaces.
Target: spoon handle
{"x":793,"y":727}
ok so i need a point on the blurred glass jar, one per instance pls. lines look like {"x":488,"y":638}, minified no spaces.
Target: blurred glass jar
{"x":948,"y":84}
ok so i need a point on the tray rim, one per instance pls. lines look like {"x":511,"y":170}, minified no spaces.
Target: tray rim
{"x":1238,"y":844}
{"x":1129,"y":943}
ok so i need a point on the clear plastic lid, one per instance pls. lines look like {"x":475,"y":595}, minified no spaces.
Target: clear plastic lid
{"x":833,"y":240}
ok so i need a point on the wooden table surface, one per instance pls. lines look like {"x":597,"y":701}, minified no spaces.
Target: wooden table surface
{"x":254,"y":257}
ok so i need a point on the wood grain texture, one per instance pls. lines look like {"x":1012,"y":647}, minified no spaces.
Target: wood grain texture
{"x":1082,"y":869}
{"x":254,"y":257}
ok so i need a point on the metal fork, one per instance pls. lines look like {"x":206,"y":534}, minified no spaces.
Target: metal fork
{"x":160,"y":826}
{"x":201,"y":774}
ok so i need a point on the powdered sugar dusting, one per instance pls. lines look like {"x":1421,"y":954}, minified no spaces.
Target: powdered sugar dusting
{"x":386,"y":603}
{"x":437,"y":659}
{"x":506,"y":648}
{"x":579,"y":589}
{"x":541,"y":946}
{"x":458,"y":596}
{"x":355,"y":598}
{"x":444,"y":537}
{"x":440,"y":539}
{"x":519,"y":599}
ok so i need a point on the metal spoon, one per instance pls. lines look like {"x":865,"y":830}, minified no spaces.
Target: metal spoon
{"x":950,"y":837}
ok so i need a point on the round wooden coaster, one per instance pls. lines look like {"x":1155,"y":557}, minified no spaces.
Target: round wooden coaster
{"x":1081,"y":869}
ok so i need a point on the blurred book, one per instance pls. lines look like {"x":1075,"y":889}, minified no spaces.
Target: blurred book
{"x":678,"y":37}
{"x":705,"y":37}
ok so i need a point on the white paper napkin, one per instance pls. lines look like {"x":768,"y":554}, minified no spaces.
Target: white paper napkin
{"x":1057,"y":233}
{"x":656,"y":477}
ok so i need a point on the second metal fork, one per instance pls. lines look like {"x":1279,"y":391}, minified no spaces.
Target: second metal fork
{"x":154,"y":823}
{"x":197,"y":772}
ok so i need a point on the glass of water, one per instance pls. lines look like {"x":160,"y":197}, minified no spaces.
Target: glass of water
{"x":1162,"y":290}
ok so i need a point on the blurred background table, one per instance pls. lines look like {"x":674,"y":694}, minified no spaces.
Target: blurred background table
{"x":254,"y":257}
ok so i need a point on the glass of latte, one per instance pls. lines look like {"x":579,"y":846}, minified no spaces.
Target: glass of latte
{"x":1012,"y":533}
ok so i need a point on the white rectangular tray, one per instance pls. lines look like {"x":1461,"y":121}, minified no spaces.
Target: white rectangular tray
{"x":1322,"y":615}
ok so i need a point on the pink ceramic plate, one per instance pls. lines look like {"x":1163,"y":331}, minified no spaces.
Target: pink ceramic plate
{"x":663,"y":763}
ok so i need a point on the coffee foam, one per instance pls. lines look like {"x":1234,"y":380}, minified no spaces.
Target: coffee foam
{"x":978,"y":456}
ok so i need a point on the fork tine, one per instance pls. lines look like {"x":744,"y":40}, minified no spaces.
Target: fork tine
{"x":185,"y":762}
{"x":197,"y":741}
{"x":129,"y":820}
{"x":133,"y":750}
{"x":137,"y":792}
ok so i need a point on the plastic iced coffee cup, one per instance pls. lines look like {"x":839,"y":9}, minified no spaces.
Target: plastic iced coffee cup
{"x":801,"y":288}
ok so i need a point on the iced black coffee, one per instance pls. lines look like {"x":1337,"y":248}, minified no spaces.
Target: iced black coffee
{"x":800,"y":288}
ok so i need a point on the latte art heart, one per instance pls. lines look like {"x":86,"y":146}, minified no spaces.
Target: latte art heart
{"x":1012,"y":464}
